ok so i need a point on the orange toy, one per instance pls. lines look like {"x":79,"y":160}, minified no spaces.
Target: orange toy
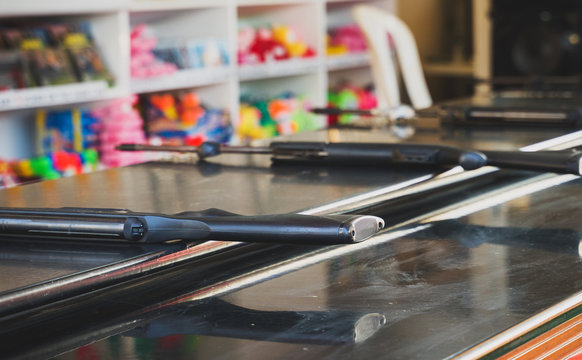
{"x":191,"y":109}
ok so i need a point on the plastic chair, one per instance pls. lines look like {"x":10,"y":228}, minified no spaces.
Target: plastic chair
{"x":376,"y":24}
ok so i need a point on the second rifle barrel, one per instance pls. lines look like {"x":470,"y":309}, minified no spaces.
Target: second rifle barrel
{"x":379,"y":154}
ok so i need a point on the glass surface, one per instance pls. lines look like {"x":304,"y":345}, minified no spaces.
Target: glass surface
{"x":441,"y":290}
{"x":442,"y":282}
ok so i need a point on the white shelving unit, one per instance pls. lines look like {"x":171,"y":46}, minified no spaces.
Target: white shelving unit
{"x":111,"y":22}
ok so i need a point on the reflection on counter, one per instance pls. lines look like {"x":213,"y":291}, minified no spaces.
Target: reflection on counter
{"x":216,"y":317}
{"x":179,"y":328}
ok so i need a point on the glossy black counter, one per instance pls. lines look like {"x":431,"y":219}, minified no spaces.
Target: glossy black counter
{"x":459,"y":262}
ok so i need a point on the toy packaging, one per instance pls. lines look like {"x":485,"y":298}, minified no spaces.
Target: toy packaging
{"x":48,"y":54}
{"x":67,"y":130}
{"x":50,"y":67}
{"x":11,"y":71}
{"x":67,"y":143}
{"x":85,"y":58}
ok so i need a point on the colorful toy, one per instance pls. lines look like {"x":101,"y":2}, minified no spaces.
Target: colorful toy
{"x":7,"y":176}
{"x":66,"y":163}
{"x":249,"y":126}
{"x":270,"y":44}
{"x":346,"y":96}
{"x":180,"y":118}
{"x":69,"y":130}
{"x":42,"y":167}
{"x":282,"y":115}
{"x":345,"y":39}
{"x":334,"y":49}
{"x":52,"y":166}
{"x":120,"y":123}
{"x":290,"y":39}
{"x":214,"y":125}
{"x":153,"y":57}
{"x":190,"y":109}
{"x":246,"y":37}
{"x":143,"y":63}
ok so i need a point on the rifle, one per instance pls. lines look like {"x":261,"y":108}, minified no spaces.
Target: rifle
{"x":468,"y":115}
{"x":123,"y":225}
{"x":382,"y":154}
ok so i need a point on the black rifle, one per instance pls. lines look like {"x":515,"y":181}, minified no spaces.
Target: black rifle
{"x":468,"y":115}
{"x":380,"y":154}
{"x":126,"y":226}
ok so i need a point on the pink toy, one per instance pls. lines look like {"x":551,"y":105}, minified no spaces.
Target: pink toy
{"x":120,"y":123}
{"x":264,"y":34}
{"x":246,"y":37}
{"x":366,"y":99}
{"x":143,"y":63}
{"x":350,"y":36}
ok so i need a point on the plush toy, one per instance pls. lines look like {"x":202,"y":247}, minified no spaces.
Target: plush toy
{"x":283,"y":115}
{"x":249,"y":125}
{"x":119,"y":123}
{"x":347,"y":96}
{"x":246,"y":38}
{"x":280,"y":110}
{"x":190,"y":109}
{"x":143,"y":63}
{"x":267,"y":45}
{"x":166,"y":104}
{"x":344,"y":39}
{"x":7,"y":176}
{"x":290,"y":39}
{"x":334,"y":49}
{"x":266,"y":49}
{"x":366,"y":98}
{"x":211,"y":56}
{"x":181,"y":118}
{"x":303,"y":120}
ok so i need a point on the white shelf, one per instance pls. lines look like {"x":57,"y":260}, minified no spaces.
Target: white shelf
{"x":58,"y":7}
{"x":183,"y":79}
{"x":348,"y":61}
{"x":47,"y":96}
{"x":157,"y":5}
{"x":282,"y":68}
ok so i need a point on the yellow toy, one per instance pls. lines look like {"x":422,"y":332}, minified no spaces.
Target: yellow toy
{"x":250,"y":127}
{"x":289,"y":38}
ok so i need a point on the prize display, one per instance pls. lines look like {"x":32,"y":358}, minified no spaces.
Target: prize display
{"x":153,"y":56}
